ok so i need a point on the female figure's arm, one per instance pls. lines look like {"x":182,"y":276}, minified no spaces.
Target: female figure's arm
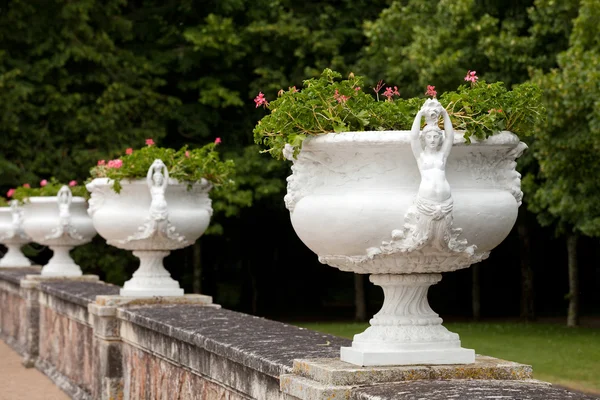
{"x":414,"y":135}
{"x":449,"y":140}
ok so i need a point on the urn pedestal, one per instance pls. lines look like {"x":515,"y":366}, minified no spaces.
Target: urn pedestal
{"x":13,"y":236}
{"x":151,"y":217}
{"x":61,"y":223}
{"x":355,"y":199}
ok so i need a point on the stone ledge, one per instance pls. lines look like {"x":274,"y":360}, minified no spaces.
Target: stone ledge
{"x":466,"y":390}
{"x":34,"y":281}
{"x":15,"y":275}
{"x":106,"y":305}
{"x":81,"y":292}
{"x":266,"y":346}
{"x":336,"y":372}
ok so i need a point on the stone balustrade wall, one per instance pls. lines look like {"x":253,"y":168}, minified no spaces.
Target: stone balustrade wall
{"x":95,"y":344}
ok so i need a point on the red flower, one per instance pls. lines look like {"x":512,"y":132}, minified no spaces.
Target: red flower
{"x":187,"y":154}
{"x":389,"y":93}
{"x":149,"y":142}
{"x":430,"y":91}
{"x":218,"y":140}
{"x":26,"y":185}
{"x":43,"y":183}
{"x":10,"y":192}
{"x":130,"y":150}
{"x":115,"y":163}
{"x":101,"y":162}
{"x":340,"y":97}
{"x":73,"y":183}
{"x":471,"y":77}
{"x":260,"y":100}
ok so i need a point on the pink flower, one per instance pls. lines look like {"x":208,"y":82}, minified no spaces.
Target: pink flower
{"x":357,"y":88}
{"x":260,"y":100}
{"x":101,"y":162}
{"x":293,"y":89}
{"x":149,"y":142}
{"x":73,"y":183}
{"x":43,"y":183}
{"x":389,"y":93}
{"x":187,"y":154}
{"x":430,"y":91}
{"x":130,"y":150}
{"x":281,"y":92}
{"x":340,"y":98}
{"x":115,"y":163}
{"x":471,"y":77}
{"x":218,"y":140}
{"x":10,"y":192}
{"x":26,"y":185}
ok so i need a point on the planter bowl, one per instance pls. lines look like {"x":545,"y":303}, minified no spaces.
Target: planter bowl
{"x":151,"y":217}
{"x":61,"y":223}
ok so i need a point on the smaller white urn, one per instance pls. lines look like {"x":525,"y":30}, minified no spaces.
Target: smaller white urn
{"x":61,"y":223}
{"x":150,"y":216}
{"x":13,"y":236}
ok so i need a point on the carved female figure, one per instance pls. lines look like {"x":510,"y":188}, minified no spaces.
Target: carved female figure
{"x":430,"y":219}
{"x":157,"y":179}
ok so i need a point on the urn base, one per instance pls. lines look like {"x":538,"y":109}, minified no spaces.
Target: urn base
{"x":406,"y":331}
{"x":61,"y":263}
{"x":14,"y":257}
{"x":407,"y":357}
{"x":151,"y":279}
{"x":151,"y":292}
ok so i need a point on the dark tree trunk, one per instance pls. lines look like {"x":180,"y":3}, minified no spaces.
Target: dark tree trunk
{"x":573,"y":315}
{"x":197,"y":263}
{"x":360,"y":314}
{"x":476,"y":291}
{"x":527,"y":292}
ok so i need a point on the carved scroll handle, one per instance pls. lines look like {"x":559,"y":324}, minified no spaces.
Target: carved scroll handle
{"x":288,"y":152}
{"x":157,"y":180}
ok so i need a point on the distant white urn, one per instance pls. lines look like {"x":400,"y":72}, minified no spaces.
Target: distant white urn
{"x":405,"y":206}
{"x":13,"y":236}
{"x":150,"y":216}
{"x":61,"y":223}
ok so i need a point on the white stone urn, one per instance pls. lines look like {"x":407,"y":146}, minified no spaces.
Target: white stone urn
{"x":150,"y":216}
{"x":61,"y":223}
{"x":13,"y":236}
{"x":405,"y":206}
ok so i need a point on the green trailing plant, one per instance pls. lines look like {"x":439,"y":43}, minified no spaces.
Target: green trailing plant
{"x":331,"y":104}
{"x":184,"y":165}
{"x":4,"y":202}
{"x":47,"y":188}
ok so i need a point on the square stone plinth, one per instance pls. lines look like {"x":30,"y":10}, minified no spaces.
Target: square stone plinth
{"x":325,"y":377}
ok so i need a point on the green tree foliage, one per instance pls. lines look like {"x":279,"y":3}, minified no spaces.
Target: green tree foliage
{"x":416,"y":43}
{"x":567,"y":187}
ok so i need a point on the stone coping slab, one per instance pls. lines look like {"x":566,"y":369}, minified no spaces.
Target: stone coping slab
{"x":77,"y":291}
{"x":339,"y":373}
{"x":106,"y":305}
{"x":264,"y":345}
{"x":467,"y":390}
{"x":15,"y":275}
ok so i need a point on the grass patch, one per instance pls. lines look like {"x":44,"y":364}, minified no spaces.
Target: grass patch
{"x":560,"y":355}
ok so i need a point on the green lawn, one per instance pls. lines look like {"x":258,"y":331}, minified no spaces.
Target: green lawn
{"x":564,"y":356}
